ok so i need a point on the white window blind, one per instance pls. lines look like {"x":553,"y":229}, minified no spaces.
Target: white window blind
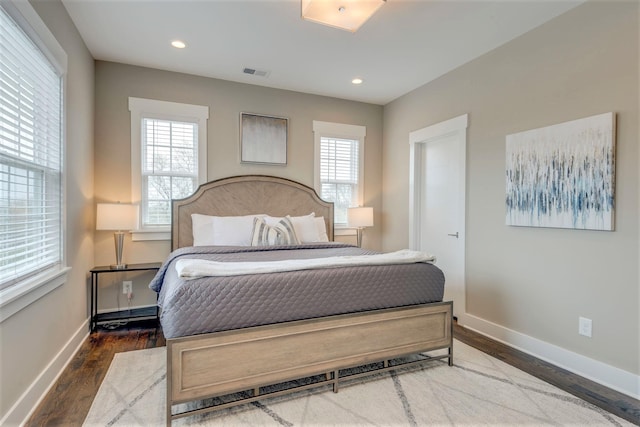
{"x":169,"y":167}
{"x":339,"y":173}
{"x":30,"y":157}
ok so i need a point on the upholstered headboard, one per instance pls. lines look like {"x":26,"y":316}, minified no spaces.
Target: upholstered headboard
{"x":246,"y":195}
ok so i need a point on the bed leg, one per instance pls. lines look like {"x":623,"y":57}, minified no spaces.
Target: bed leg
{"x":335,"y":381}
{"x":169,"y":402}
{"x":256,"y":391}
{"x":451,"y":336}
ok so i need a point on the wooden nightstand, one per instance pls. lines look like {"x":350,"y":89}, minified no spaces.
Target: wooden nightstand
{"x":112,"y":316}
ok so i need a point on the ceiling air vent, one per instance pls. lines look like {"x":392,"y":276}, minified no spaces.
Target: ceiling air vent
{"x":254,"y":72}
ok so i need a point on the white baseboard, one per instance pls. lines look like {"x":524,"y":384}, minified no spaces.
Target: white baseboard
{"x":20,"y":412}
{"x":607,"y":375}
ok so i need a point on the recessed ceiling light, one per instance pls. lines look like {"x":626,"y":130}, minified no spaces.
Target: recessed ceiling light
{"x":178,"y":44}
{"x":357,"y":81}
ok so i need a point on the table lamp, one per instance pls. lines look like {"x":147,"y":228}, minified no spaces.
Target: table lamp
{"x":360,"y":218}
{"x":118,"y":217}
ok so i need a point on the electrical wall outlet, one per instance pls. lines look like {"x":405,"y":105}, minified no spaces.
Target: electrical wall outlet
{"x":127,"y":287}
{"x":584,"y":326}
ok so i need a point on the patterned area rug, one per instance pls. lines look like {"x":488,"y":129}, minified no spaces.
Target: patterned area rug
{"x":478,"y":390}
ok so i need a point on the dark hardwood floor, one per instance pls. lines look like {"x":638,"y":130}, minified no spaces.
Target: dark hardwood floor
{"x":68,"y":402}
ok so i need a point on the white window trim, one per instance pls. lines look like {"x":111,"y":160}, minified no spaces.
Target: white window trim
{"x":339,"y":130}
{"x":139,"y":108}
{"x":16,"y":297}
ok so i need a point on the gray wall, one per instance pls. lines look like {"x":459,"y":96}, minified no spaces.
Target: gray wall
{"x":115,"y":83}
{"x":538,"y":281}
{"x":33,"y":337}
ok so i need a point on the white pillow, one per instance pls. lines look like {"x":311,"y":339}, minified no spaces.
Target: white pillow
{"x":202,"y":228}
{"x":304,"y":226}
{"x":211,"y":230}
{"x":321,"y":229}
{"x":233,"y":230}
{"x":282,"y":233}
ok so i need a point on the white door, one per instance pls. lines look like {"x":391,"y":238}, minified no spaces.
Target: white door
{"x":438,"y":204}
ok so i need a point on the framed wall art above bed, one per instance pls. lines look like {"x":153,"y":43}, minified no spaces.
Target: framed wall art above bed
{"x":263,"y":139}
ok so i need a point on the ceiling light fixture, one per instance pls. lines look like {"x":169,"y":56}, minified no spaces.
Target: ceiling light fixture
{"x":347,"y":15}
{"x":357,"y":81}
{"x":178,"y":44}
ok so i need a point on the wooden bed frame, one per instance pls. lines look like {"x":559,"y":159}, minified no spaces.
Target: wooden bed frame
{"x":244,"y":360}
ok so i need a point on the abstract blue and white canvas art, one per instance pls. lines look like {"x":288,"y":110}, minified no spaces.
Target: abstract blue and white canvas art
{"x":563,"y":175}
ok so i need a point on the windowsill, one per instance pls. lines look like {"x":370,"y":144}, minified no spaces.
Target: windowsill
{"x":344,"y":231}
{"x":149,"y":235}
{"x":17,"y":297}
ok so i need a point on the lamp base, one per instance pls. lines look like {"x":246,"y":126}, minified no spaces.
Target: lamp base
{"x":118,"y":238}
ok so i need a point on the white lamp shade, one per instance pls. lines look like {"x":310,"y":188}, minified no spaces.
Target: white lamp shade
{"x":116,"y":216}
{"x":344,"y":14}
{"x":360,"y":217}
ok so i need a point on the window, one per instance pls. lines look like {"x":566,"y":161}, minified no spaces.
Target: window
{"x":339,"y":161}
{"x":169,"y":167}
{"x":32,"y":68}
{"x":168,"y":159}
{"x":339,"y":168}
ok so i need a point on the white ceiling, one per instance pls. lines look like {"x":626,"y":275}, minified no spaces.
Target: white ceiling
{"x":405,"y":45}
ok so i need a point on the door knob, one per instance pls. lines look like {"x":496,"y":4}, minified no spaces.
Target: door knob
{"x":453,"y":235}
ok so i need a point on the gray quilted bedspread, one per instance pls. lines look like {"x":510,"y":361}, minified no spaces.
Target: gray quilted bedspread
{"x":211,"y":304}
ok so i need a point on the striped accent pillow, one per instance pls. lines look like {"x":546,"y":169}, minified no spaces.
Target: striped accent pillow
{"x":281,"y":233}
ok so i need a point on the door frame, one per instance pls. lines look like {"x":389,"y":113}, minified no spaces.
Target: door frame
{"x":418,"y":139}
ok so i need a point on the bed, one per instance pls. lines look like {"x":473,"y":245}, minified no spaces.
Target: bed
{"x":238,"y":333}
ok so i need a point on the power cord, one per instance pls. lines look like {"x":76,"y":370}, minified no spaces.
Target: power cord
{"x":119,"y":323}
